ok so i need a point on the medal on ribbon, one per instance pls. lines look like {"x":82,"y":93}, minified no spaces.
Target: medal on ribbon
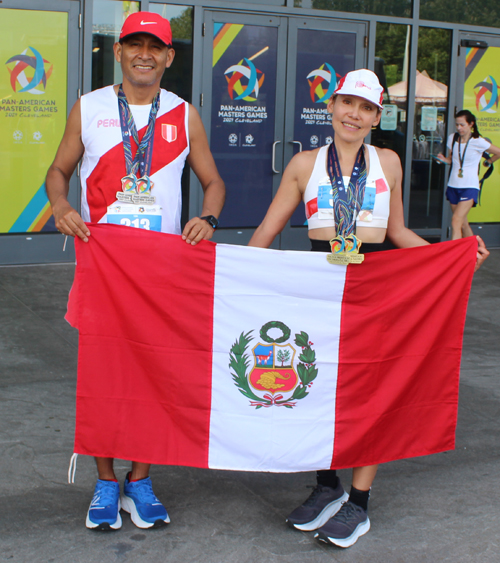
{"x":461,"y":158}
{"x":345,"y":250}
{"x":137,"y":190}
{"x":346,"y":205}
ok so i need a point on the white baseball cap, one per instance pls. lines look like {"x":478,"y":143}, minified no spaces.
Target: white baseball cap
{"x":362,"y":83}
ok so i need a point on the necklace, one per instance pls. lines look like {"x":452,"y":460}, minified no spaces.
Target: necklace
{"x":137,"y":189}
{"x":346,"y":205}
{"x":461,"y":157}
{"x":346,"y":201}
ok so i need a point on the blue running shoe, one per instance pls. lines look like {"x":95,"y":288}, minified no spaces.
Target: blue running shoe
{"x":104,"y":510}
{"x":138,"y":498}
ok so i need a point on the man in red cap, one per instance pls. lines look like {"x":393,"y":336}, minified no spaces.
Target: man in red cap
{"x":133,"y":139}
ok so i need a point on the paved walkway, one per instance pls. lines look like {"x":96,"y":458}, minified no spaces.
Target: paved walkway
{"x":444,"y":507}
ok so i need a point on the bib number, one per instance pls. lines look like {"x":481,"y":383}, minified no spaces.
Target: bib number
{"x":139,"y":217}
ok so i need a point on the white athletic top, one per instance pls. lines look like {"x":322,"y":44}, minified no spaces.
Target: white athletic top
{"x":103,"y":163}
{"x":472,"y":158}
{"x":318,"y":199}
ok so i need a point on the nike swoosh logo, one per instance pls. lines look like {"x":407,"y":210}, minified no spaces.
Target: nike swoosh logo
{"x":147,"y":23}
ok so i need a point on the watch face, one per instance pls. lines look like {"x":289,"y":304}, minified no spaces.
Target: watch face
{"x":211,"y":220}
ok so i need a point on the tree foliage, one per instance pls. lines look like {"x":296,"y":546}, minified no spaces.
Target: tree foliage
{"x":182,"y":26}
{"x":472,"y":12}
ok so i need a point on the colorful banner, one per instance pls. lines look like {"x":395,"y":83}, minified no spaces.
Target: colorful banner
{"x":243,"y":110}
{"x":482,"y":76}
{"x":33,"y":92}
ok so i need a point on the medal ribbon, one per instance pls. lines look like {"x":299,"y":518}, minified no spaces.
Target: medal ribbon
{"x":143,"y":156}
{"x":461,"y":157}
{"x":346,"y":202}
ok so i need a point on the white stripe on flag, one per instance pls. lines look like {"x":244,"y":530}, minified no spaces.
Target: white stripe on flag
{"x":301,"y":290}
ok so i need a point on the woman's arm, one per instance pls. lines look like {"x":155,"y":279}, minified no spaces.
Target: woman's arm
{"x":443,"y":158}
{"x":495,"y":151}
{"x":287,"y":198}
{"x":398,"y":234}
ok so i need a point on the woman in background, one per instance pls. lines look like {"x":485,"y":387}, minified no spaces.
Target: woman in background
{"x":466,"y":148}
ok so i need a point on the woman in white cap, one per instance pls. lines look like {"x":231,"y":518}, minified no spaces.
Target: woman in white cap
{"x":352,"y":193}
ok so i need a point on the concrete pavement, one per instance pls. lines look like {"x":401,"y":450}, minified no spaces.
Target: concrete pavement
{"x":444,"y":507}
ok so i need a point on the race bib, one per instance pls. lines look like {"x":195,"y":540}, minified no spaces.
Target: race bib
{"x":146,"y":217}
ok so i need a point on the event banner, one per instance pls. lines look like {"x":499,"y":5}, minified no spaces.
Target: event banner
{"x":482,"y":76}
{"x":243,"y":111}
{"x":317,"y":73}
{"x":33,"y":91}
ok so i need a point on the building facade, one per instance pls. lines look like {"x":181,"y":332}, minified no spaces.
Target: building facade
{"x":260,"y":73}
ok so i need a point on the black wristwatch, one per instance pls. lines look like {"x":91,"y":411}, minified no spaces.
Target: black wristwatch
{"x":211,"y":220}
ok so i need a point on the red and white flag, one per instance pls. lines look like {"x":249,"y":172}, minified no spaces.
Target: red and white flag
{"x":243,"y":358}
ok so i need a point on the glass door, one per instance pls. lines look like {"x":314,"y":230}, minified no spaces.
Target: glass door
{"x":38,"y":86}
{"x":478,"y":80}
{"x":320,"y":52}
{"x":264,"y":98}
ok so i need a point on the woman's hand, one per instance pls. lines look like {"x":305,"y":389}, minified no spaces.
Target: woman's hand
{"x":482,"y":253}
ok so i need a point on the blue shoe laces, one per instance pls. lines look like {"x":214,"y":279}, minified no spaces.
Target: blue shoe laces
{"x":107,"y":494}
{"x":144,"y":490}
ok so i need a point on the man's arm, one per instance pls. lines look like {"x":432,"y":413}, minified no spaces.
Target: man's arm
{"x":202,"y":162}
{"x":70,"y":151}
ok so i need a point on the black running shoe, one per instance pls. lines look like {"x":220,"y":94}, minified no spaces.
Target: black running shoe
{"x":344,"y":529}
{"x":321,"y":505}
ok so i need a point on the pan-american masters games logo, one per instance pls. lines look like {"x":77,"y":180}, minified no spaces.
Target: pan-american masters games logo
{"x":487,"y":88}
{"x":326,"y":76}
{"x":30,"y":72}
{"x":255,"y":79}
{"x":276,"y":377}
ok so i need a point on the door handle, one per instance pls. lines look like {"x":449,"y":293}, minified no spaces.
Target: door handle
{"x":274,"y":158}
{"x":297,"y":143}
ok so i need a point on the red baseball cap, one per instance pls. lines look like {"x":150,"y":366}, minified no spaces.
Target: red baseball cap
{"x":147,"y":22}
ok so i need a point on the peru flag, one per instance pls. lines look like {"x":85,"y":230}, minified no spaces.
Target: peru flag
{"x":242,"y":358}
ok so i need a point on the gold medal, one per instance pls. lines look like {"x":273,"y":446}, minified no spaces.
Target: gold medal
{"x":460,"y":173}
{"x":345,"y":250}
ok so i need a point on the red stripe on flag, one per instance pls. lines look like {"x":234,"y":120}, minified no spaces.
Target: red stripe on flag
{"x":145,"y":350}
{"x":402,"y":323}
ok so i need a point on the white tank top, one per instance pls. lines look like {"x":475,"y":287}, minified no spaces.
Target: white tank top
{"x":318,"y":198}
{"x":103,"y":163}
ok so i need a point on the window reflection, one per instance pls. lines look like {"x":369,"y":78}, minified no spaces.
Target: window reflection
{"x":431,"y":106}
{"x":392,"y":53}
{"x":461,"y":11}
{"x":108,"y":18}
{"x":178,"y":78}
{"x":402,"y":8}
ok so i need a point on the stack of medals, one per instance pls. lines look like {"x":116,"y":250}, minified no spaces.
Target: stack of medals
{"x":346,"y":206}
{"x":136,"y":204}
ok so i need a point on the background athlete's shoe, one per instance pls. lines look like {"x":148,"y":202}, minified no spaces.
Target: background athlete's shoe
{"x":104,"y":510}
{"x":321,"y":505}
{"x":344,"y":529}
{"x":138,"y":498}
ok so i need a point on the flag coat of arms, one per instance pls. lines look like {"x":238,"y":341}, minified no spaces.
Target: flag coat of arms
{"x":243,"y":358}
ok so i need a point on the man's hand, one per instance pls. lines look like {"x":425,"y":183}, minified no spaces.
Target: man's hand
{"x":482,"y":253}
{"x":197,"y":229}
{"x":68,"y":221}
